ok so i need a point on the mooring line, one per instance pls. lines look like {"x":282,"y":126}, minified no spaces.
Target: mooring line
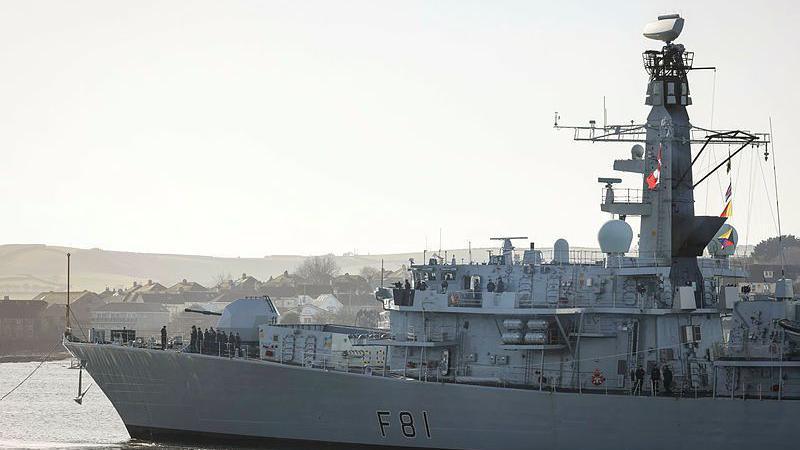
{"x":30,"y":374}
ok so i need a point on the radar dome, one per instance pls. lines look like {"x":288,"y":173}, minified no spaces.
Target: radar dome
{"x":561,"y":251}
{"x":615,"y":237}
{"x":724,"y":242}
{"x":667,"y":28}
{"x":243,"y":316}
{"x":637,"y":151}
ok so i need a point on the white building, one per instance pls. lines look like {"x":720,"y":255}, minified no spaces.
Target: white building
{"x":145,"y":318}
{"x":329,"y":303}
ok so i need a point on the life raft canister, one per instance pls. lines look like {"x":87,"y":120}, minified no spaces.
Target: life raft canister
{"x":598,"y":378}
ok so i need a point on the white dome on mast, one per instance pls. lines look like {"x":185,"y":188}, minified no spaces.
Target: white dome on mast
{"x":615,"y":237}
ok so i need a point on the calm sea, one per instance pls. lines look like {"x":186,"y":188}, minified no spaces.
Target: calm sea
{"x":42,"y":415}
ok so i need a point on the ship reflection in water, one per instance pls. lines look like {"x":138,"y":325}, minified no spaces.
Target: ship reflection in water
{"x":42,"y":415}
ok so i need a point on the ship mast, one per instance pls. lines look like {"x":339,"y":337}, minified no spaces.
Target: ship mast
{"x":670,"y":233}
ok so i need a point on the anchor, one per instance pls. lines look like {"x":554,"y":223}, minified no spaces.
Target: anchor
{"x":81,"y":392}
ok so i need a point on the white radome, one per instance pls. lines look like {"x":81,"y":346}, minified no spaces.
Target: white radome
{"x":561,"y":251}
{"x":615,"y":237}
{"x":667,"y":28}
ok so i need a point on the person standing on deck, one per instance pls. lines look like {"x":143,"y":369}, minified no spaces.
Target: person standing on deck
{"x":639,"y":374}
{"x":655,"y":378}
{"x":193,"y":339}
{"x":164,"y":337}
{"x":199,"y":343}
{"x":667,"y":373}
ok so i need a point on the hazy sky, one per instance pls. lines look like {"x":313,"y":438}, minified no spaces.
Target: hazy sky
{"x":247,"y":128}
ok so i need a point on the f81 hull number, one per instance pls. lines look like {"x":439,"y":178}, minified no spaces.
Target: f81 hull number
{"x":405,"y":423}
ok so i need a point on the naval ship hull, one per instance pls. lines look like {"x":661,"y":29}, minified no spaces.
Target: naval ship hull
{"x":164,"y":395}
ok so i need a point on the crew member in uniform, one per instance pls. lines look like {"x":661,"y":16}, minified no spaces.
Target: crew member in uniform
{"x":193,"y":341}
{"x":655,"y":378}
{"x":667,"y":373}
{"x":639,"y":374}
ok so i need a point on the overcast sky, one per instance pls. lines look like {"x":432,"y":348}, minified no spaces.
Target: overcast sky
{"x":248,"y":128}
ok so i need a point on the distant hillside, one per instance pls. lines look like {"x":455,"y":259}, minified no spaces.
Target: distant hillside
{"x":26,"y":269}
{"x":29,"y":269}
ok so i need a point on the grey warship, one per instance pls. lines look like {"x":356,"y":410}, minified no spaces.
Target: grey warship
{"x":530,"y":349}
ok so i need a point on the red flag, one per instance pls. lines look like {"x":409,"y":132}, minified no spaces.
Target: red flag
{"x":653,"y":178}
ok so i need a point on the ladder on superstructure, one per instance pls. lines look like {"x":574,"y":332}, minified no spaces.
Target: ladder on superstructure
{"x":309,"y":351}
{"x":287,"y":348}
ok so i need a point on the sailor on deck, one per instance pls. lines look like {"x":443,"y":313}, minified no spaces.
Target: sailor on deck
{"x":193,"y":340}
{"x":667,"y":373}
{"x":655,"y":378}
{"x":638,"y":380}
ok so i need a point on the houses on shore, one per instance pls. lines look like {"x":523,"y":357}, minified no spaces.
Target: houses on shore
{"x":32,"y":325}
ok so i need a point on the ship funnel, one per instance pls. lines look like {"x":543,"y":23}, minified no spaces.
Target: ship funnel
{"x":667,"y":28}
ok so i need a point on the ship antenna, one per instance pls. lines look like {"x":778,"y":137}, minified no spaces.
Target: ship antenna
{"x":382,"y":271}
{"x":777,"y":203}
{"x":67,"y":329}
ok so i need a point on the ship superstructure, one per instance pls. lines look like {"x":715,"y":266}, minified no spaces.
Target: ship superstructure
{"x":530,"y":349}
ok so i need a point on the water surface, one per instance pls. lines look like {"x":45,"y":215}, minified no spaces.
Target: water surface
{"x":41,"y":414}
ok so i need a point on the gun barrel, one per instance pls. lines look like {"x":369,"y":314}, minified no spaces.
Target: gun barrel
{"x":200,"y":311}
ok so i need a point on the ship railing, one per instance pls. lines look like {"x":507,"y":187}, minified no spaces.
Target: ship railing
{"x":577,"y":257}
{"x":227,"y":350}
{"x":370,"y":338}
{"x":748,"y":350}
{"x":466,"y":299}
{"x":592,"y":381}
{"x":779,"y":386}
{"x":730,"y":263}
{"x":351,"y":361}
{"x":621,"y":195}
{"x":524,"y":299}
{"x":439,"y":333}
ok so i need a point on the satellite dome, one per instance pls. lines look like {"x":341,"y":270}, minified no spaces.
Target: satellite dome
{"x":637,"y":151}
{"x":724,"y":242}
{"x":243,"y":316}
{"x":615,"y":237}
{"x":667,"y":28}
{"x":561,"y":251}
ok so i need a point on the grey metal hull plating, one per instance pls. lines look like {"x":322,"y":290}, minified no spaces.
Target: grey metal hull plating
{"x":189,"y":393}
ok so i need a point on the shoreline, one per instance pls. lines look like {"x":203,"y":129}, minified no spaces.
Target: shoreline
{"x":59,"y":356}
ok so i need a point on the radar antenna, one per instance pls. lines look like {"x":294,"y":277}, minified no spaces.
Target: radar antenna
{"x":508,"y":247}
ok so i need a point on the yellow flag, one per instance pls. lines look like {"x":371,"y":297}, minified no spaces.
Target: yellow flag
{"x":728,"y":211}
